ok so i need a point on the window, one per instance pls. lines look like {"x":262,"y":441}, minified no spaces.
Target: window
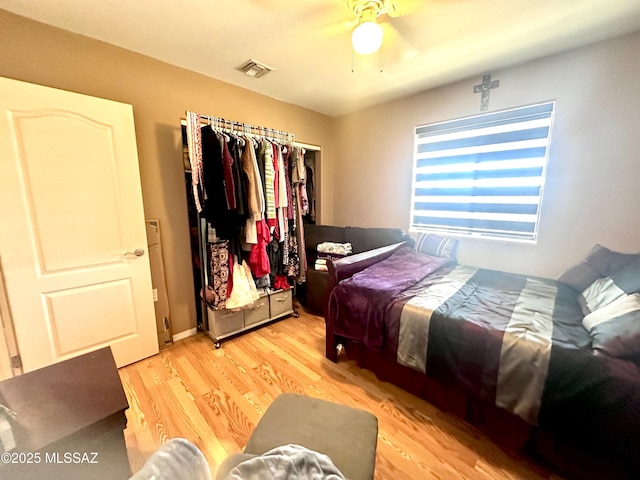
{"x":482,"y":176}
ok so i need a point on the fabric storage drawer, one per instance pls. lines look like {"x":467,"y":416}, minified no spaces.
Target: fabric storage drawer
{"x":280,"y":303}
{"x":222,"y":322}
{"x":257,"y":312}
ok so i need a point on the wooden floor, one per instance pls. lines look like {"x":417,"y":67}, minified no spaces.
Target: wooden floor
{"x":215,"y":398}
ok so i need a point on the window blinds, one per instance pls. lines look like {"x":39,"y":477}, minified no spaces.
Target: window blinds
{"x":482,"y":175}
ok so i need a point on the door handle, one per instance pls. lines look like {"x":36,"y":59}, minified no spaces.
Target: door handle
{"x":138,"y":252}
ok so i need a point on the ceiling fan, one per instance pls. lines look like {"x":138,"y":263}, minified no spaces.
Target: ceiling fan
{"x":367,"y":35}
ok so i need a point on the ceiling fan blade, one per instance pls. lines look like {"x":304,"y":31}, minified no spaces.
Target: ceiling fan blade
{"x":395,"y":46}
{"x":397,"y":8}
{"x":339,"y":27}
{"x":392,"y":8}
{"x":412,"y":32}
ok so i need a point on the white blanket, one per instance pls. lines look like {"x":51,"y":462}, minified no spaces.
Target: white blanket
{"x":288,"y":462}
{"x":335,"y":248}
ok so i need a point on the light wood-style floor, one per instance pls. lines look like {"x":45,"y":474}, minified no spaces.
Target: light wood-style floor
{"x":215,"y":398}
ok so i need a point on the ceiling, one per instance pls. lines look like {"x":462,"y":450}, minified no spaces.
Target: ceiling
{"x":434,"y":42}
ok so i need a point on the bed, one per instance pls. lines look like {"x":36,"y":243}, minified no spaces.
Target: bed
{"x":536,"y":363}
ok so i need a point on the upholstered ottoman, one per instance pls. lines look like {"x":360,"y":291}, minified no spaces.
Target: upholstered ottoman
{"x":348,"y":436}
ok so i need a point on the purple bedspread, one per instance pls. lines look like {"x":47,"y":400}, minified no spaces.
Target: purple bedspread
{"x":362,"y":299}
{"x":512,"y":341}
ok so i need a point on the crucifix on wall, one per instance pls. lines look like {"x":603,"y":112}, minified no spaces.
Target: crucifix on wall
{"x":486,"y":85}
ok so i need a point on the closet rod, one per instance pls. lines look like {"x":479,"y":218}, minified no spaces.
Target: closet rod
{"x":306,"y":146}
{"x":245,"y":128}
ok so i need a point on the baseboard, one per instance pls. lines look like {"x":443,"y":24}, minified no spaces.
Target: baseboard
{"x":187,"y":333}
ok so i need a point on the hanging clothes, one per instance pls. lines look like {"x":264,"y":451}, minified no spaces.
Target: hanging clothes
{"x":292,"y":261}
{"x":252,"y":192}
{"x":300,"y":179}
{"x":276,"y":174}
{"x":263,"y":282}
{"x":311,"y":188}
{"x":217,"y":169}
{"x":215,"y":208}
{"x":280,"y":193}
{"x":194,"y":145}
{"x":282,"y":184}
{"x":260,"y":152}
{"x":286,"y":154}
{"x":276,"y":231}
{"x":299,"y":193}
{"x":227,"y":168}
{"x":269,"y":174}
{"x":218,"y":261}
{"x":275,"y":252}
{"x":236,"y":147}
{"x":281,"y":282}
{"x":258,"y":258}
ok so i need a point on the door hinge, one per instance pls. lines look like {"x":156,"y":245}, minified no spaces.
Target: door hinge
{"x":166,"y":323}
{"x":16,"y":362}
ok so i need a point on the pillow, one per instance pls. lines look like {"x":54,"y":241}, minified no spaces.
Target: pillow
{"x":606,"y":290}
{"x":628,"y":277}
{"x":615,"y":329}
{"x":333,"y":249}
{"x":599,"y":294}
{"x":321,"y":265}
{"x":437,"y":246}
{"x":599,"y":262}
{"x":620,"y":306}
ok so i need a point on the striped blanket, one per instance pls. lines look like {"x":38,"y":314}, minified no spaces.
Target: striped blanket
{"x":516,"y":342}
{"x":496,"y":334}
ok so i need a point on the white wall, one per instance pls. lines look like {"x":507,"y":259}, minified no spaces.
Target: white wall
{"x":593,"y":182}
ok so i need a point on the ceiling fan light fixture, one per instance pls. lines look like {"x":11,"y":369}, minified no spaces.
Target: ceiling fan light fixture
{"x":367,"y":38}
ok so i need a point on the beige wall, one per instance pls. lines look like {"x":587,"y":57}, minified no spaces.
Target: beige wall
{"x":593,"y":182}
{"x":160,"y":94}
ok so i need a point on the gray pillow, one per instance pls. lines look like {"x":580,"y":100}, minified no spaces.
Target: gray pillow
{"x":436,"y":246}
{"x":599,"y":262}
{"x":606,"y":290}
{"x":615,"y":329}
{"x":628,"y":277}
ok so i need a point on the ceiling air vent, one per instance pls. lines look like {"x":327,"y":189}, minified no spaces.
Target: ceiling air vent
{"x":255,"y":69}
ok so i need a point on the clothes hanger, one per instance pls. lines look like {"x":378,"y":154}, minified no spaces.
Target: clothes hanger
{"x":223,"y":130}
{"x":235,"y":134}
{"x":246,"y":130}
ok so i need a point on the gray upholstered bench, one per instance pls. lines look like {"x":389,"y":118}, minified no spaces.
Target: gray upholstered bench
{"x":348,"y":436}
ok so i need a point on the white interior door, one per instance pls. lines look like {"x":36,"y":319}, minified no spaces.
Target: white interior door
{"x":71,"y":207}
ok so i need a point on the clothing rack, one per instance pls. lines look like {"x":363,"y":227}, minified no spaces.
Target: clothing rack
{"x":245,"y":128}
{"x":241,"y":129}
{"x":253,"y":131}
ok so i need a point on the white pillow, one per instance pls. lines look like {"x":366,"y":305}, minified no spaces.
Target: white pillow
{"x":599,"y":294}
{"x":622,"y":305}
